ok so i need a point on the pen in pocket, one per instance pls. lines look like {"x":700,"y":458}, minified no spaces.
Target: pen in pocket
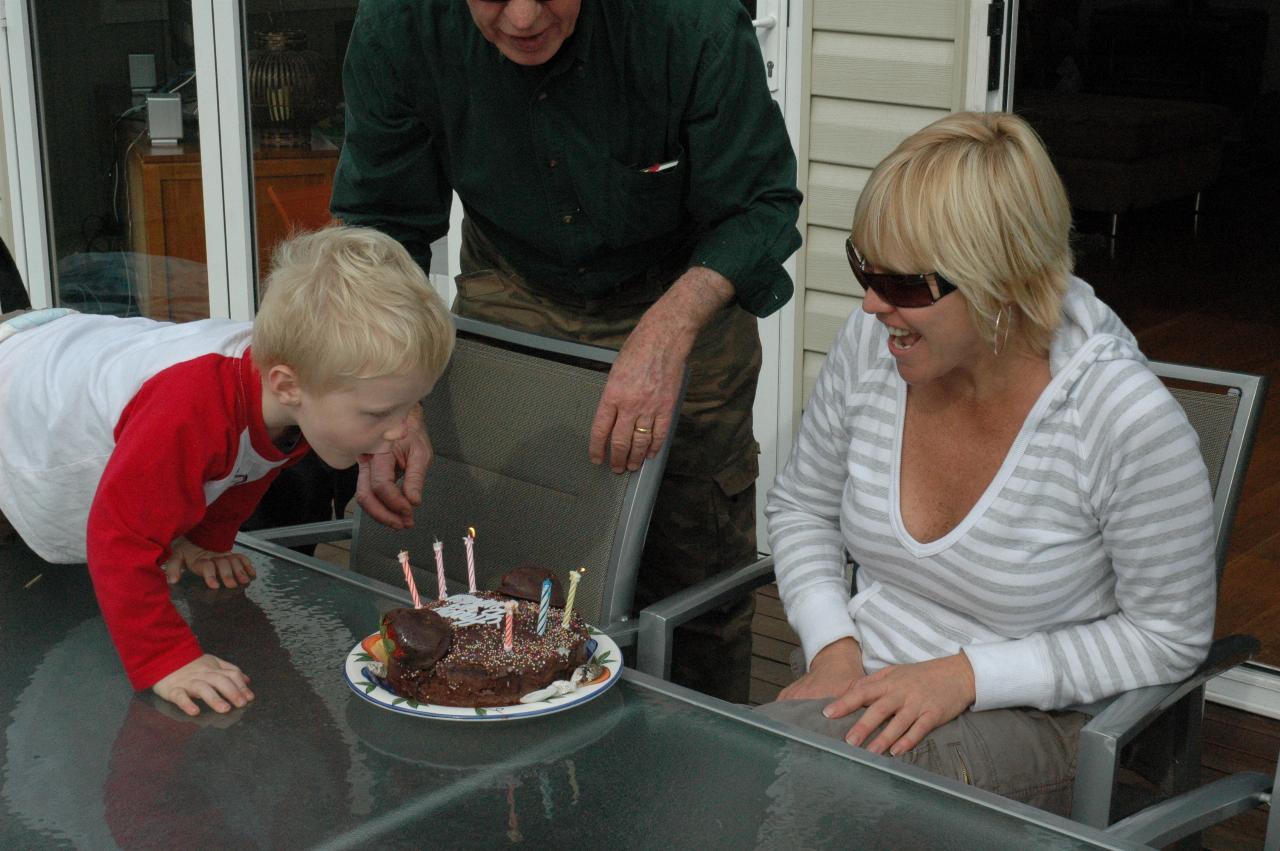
{"x":657,"y":167}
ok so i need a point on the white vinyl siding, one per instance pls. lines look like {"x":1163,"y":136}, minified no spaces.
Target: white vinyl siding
{"x":876,"y":71}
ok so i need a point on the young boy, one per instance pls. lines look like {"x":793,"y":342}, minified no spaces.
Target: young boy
{"x":141,"y":446}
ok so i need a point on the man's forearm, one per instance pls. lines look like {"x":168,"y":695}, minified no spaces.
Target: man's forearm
{"x":689,"y":304}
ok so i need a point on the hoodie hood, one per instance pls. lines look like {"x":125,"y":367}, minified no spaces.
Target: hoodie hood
{"x":1090,"y":332}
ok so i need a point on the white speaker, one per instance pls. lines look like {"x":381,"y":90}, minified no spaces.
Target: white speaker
{"x":164,"y":118}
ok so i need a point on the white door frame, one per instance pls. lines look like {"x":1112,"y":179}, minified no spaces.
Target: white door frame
{"x":224,"y":153}
{"x":773,"y":414}
{"x":25,"y":155}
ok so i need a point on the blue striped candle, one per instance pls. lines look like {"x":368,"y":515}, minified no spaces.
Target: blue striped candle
{"x":543,"y":606}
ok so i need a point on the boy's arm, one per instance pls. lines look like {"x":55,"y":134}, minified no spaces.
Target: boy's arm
{"x":169,"y":441}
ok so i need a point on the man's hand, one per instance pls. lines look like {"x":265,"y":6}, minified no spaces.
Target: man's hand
{"x":912,"y":699}
{"x":219,"y":684}
{"x":637,"y":407}
{"x":231,"y":569}
{"x":376,"y":489}
{"x":832,"y":672}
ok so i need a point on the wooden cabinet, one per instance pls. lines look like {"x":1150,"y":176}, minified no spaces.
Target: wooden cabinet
{"x":166,"y":219}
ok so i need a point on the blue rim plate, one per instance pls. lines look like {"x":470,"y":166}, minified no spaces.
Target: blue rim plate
{"x":371,"y":689}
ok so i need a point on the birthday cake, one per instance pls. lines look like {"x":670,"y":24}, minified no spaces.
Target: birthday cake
{"x":454,"y":652}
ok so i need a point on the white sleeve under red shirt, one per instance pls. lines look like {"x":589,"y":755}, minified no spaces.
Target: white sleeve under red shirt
{"x":121,"y":435}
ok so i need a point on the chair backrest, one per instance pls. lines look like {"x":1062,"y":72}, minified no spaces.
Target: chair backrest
{"x":1224,"y":408}
{"x":509,"y":423}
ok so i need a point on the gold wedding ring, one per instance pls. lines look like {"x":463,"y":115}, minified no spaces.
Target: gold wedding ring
{"x":643,"y":430}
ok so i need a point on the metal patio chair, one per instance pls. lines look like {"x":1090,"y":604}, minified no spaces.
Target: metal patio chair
{"x":1157,"y":726}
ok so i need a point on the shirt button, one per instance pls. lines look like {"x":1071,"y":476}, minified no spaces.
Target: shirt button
{"x":552,"y":163}
{"x":568,"y":220}
{"x":542,"y":95}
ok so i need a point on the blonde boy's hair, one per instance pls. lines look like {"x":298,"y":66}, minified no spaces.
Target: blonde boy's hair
{"x":974,"y":197}
{"x":345,"y":303}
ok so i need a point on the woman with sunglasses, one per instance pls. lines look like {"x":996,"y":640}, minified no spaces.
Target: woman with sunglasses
{"x":1024,"y":501}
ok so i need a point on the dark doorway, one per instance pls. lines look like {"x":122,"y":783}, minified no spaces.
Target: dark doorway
{"x":1164,"y":120}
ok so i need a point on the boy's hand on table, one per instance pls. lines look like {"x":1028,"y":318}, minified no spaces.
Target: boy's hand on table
{"x":832,"y":672}
{"x":377,"y":493}
{"x":219,"y":684}
{"x":231,"y":569}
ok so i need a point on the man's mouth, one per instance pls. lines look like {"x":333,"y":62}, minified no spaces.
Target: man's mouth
{"x":530,"y":43}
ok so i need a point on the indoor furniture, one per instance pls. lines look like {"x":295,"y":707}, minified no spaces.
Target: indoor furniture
{"x":166,"y":214}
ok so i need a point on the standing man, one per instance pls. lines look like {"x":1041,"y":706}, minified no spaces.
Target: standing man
{"x":628,"y":182}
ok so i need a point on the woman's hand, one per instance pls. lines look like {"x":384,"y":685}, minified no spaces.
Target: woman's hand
{"x":832,"y":672}
{"x":377,"y":493}
{"x":219,"y":684}
{"x":910,"y":700}
{"x":231,"y":569}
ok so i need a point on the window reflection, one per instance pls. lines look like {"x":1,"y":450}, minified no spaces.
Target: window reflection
{"x":293,"y":76}
{"x":125,"y":214}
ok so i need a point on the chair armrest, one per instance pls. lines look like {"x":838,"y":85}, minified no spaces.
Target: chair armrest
{"x":1126,"y":716}
{"x":1130,"y":713}
{"x":623,"y":632}
{"x":304,"y":533}
{"x":658,"y":622}
{"x":1164,"y":823}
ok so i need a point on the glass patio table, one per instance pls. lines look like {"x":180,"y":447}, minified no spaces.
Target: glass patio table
{"x":87,"y":762}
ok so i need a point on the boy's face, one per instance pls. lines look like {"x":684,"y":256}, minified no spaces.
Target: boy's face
{"x":363,"y":416}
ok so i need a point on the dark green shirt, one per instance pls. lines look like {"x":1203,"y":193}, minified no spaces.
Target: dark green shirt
{"x":550,"y":161}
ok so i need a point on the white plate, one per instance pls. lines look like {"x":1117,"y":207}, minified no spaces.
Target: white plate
{"x":606,"y":653}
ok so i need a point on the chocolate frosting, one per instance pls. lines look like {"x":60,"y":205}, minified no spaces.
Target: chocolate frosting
{"x":421,"y":637}
{"x":525,"y":583}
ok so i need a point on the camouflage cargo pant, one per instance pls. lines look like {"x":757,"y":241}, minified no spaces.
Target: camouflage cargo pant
{"x":704,"y":517}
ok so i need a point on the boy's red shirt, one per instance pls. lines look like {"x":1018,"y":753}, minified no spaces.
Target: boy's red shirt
{"x":193,"y":426}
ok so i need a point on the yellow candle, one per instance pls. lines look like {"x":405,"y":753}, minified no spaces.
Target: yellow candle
{"x":574,"y":577}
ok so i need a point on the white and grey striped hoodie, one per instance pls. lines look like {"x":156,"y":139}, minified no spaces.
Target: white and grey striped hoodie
{"x":1085,"y":569}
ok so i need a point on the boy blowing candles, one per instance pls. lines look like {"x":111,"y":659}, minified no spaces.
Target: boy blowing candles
{"x":141,"y":446}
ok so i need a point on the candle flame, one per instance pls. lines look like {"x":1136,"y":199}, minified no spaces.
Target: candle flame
{"x":471,"y":531}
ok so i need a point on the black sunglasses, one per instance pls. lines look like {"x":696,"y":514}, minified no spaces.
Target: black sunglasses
{"x":919,"y":290}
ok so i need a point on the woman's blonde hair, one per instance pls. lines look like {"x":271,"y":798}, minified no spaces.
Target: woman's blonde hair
{"x":974,"y":197}
{"x":345,"y":303}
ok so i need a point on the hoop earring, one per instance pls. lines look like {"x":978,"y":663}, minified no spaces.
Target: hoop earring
{"x":1001,"y":340}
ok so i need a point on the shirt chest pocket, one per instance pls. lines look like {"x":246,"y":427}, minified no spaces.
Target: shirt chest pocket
{"x":647,"y":201}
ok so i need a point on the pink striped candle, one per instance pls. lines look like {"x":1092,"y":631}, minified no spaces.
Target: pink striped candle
{"x":508,"y":633}
{"x":469,"y":542}
{"x":408,"y":578}
{"x":439,"y":548}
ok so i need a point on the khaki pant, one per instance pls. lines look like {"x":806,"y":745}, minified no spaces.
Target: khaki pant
{"x":704,"y":517}
{"x":1023,"y":754}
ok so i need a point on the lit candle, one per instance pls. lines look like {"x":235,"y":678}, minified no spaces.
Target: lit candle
{"x":439,"y":548}
{"x":574,"y":576}
{"x":469,"y":543}
{"x":408,"y":578}
{"x":543,"y":605}
{"x":508,"y":633}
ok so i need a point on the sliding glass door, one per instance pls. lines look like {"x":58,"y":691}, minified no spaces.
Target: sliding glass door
{"x":108,"y":157}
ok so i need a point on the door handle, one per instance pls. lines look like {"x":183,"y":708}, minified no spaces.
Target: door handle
{"x":766,"y":23}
